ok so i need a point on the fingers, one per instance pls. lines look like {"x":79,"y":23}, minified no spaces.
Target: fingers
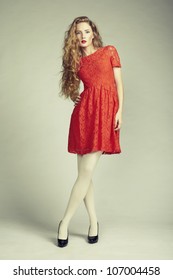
{"x":117,"y":125}
{"x":77,"y":100}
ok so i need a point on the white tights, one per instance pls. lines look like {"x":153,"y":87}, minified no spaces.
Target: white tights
{"x":82,"y":190}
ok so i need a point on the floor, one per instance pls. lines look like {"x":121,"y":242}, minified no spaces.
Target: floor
{"x":124,"y":241}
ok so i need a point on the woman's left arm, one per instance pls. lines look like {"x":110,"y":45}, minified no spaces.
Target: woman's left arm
{"x":120,"y":90}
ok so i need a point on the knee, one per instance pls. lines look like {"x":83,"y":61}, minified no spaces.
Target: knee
{"x":88,"y":164}
{"x":86,"y":171}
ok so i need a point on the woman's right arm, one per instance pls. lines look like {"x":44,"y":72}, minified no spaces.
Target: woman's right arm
{"x":76,"y":99}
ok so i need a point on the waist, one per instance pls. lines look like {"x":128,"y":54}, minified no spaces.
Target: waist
{"x":101,"y":87}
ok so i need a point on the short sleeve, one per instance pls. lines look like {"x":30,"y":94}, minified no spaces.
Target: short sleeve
{"x":114,"y":57}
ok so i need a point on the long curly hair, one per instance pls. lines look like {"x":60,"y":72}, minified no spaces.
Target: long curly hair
{"x":72,"y":52}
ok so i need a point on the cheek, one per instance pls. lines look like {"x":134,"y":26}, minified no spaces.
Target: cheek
{"x":90,"y":37}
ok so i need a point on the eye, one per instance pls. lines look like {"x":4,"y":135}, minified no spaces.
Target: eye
{"x":77,"y":32}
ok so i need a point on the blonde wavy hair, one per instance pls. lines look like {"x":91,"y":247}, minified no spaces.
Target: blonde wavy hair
{"x":69,"y":82}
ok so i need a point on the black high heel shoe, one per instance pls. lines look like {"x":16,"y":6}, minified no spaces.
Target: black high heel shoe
{"x":62,"y":242}
{"x":93,"y":239}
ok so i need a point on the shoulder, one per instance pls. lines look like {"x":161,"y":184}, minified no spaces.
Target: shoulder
{"x":110,"y":48}
{"x":112,"y":53}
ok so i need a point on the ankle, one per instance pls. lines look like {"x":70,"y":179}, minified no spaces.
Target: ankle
{"x":64,"y":223}
{"x":93,"y":222}
{"x":62,"y":231}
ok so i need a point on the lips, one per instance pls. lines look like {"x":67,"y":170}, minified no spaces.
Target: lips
{"x":83,"y":41}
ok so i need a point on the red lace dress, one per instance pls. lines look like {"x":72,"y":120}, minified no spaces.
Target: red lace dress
{"x":93,"y":118}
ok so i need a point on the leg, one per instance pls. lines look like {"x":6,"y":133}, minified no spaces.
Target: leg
{"x":80,"y":188}
{"x":90,"y":206}
{"x":89,"y":203}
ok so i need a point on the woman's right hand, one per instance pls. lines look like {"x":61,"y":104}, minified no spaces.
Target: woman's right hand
{"x":77,"y":100}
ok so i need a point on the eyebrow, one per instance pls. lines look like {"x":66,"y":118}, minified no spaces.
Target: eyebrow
{"x":84,"y":30}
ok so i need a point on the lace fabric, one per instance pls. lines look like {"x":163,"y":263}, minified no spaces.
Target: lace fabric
{"x":93,"y":118}
{"x":114,"y":56}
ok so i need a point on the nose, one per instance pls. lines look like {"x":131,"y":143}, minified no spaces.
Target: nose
{"x":82,"y":35}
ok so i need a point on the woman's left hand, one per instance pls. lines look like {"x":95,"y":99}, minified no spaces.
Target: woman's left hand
{"x":118,"y":120}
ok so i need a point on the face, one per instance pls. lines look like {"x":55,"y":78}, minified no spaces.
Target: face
{"x":84,"y":34}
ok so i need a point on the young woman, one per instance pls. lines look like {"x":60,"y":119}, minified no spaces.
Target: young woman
{"x":97,"y":115}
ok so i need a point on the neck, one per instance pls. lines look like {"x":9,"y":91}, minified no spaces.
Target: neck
{"x":88,"y":50}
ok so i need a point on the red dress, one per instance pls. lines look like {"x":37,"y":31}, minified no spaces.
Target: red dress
{"x":93,"y":118}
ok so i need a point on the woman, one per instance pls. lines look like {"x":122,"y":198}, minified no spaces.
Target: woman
{"x":97,"y":115}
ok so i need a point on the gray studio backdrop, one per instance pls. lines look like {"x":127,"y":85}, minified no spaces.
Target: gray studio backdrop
{"x":37,"y":172}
